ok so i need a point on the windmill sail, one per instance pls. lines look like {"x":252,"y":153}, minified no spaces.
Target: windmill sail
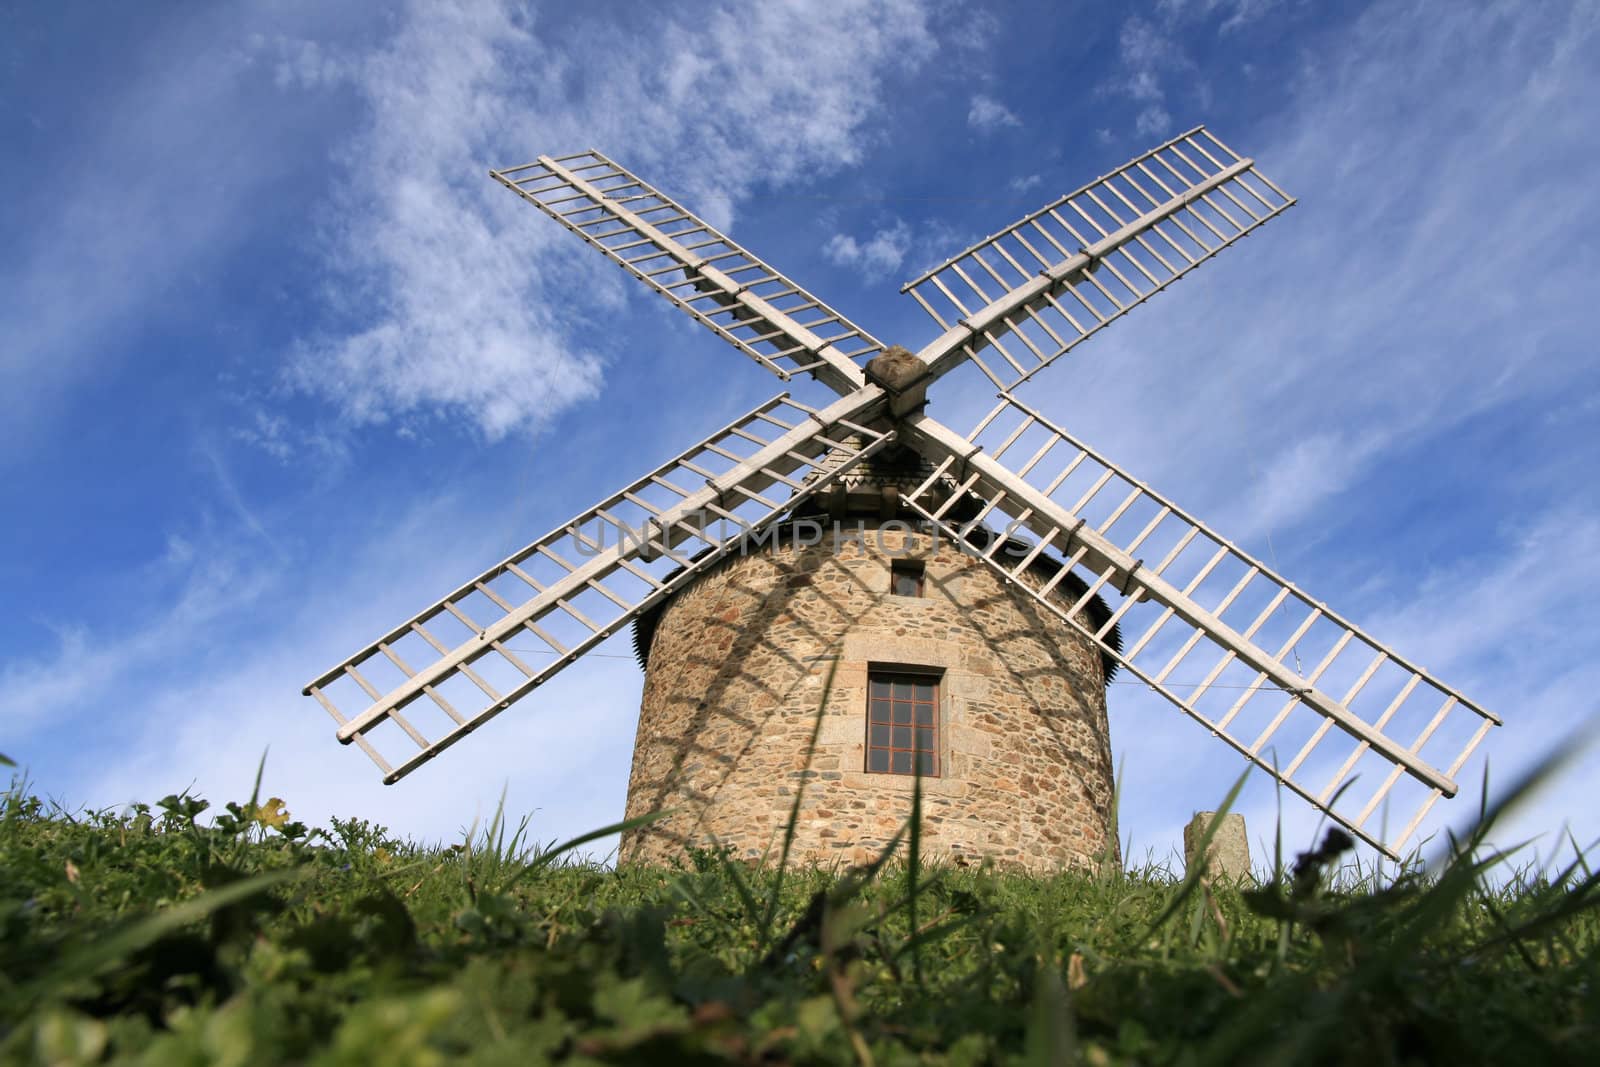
{"x":740,"y":298}
{"x":437,"y":677}
{"x":1045,"y":283}
{"x":1336,"y":716}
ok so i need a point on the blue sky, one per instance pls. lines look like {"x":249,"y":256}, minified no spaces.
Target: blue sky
{"x":281,"y":364}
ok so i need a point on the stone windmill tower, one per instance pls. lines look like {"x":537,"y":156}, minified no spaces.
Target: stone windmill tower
{"x":917,"y":658}
{"x":855,"y":597}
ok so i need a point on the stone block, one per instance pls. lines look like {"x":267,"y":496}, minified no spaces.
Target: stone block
{"x":1228,"y":856}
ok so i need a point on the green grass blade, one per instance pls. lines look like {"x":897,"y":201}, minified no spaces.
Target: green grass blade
{"x":753,"y":911}
{"x":914,"y":861}
{"x":549,"y":856}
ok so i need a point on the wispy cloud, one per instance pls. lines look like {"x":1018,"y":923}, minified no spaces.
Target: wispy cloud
{"x":1232,"y":13}
{"x":456,"y":312}
{"x":299,"y":63}
{"x":1364,"y":385}
{"x":204,"y":680}
{"x":1023,"y":184}
{"x":1157,"y":70}
{"x":877,"y":256}
{"x":1147,"y":52}
{"x":986,"y":114}
{"x":82,"y":271}
{"x":1370,"y":299}
{"x":284,"y":439}
{"x":189,"y":593}
{"x":1461,"y":613}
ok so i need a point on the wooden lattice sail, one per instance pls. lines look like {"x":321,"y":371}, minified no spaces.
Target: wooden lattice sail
{"x":1336,"y":716}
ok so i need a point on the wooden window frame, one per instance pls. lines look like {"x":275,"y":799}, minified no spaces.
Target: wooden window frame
{"x":907,"y":568}
{"x":900,"y":727}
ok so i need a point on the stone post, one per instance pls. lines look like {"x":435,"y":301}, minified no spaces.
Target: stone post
{"x":1229,"y":854}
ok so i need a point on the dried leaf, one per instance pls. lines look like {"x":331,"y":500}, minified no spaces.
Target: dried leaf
{"x":1077,"y":978}
{"x":271,"y":814}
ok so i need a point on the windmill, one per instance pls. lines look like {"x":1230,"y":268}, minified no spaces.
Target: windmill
{"x":1094,"y":558}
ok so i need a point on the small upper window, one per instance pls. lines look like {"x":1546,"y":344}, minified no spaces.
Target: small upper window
{"x":905,"y":577}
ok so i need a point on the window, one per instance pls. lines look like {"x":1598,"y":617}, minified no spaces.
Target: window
{"x":905,"y":577}
{"x":902,"y":722}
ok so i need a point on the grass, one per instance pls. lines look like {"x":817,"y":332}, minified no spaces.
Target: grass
{"x":159,"y":935}
{"x":173,"y":935}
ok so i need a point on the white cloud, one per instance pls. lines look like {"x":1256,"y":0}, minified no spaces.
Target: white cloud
{"x":1153,"y":121}
{"x":934,"y":240}
{"x":1023,"y":184}
{"x":288,"y":441}
{"x":1235,"y":13}
{"x":1146,"y":49}
{"x":448,"y":311}
{"x":1153,"y":58}
{"x":300,"y":63}
{"x":1149,"y":54}
{"x":1298,"y":477}
{"x":462,"y":302}
{"x":979,"y":28}
{"x":1461,"y":613}
{"x":987,"y":114}
{"x":878,"y":255}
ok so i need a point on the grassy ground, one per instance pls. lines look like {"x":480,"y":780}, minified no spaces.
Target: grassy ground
{"x":166,"y":936}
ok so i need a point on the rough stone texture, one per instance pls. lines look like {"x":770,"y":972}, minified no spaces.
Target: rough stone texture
{"x":1229,"y":852}
{"x":738,"y":664}
{"x":896,"y":369}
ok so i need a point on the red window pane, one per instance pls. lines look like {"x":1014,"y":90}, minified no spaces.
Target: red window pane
{"x":903,"y":723}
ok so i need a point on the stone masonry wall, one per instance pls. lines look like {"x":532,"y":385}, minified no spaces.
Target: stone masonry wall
{"x":737,"y":669}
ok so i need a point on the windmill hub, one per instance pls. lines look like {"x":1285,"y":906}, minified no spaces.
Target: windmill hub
{"x":903,"y":376}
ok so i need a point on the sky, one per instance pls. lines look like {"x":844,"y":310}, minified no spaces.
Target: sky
{"x":280,"y":364}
